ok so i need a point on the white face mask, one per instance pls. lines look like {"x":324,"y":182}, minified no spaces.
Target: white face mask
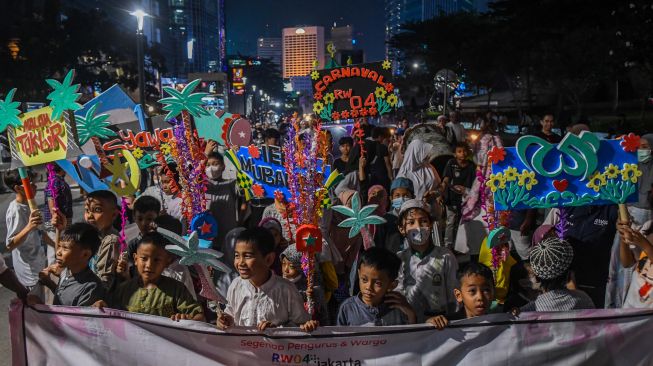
{"x":213,"y":172}
{"x":418,"y":237}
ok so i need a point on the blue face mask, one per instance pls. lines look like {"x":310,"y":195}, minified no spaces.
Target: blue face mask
{"x":643,"y":155}
{"x":397,"y":202}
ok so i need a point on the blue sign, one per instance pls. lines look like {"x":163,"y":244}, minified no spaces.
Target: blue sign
{"x":580,"y":170}
{"x":264,"y":165}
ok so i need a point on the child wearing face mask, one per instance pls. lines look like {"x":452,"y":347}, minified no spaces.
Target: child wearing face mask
{"x":427,"y":276}
{"x":223,"y":197}
{"x":388,"y":235}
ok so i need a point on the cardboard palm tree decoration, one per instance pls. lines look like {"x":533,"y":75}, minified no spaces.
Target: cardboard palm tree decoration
{"x":188,"y":104}
{"x":9,"y":111}
{"x":358,"y":219}
{"x":191,"y":254}
{"x":95,"y":127}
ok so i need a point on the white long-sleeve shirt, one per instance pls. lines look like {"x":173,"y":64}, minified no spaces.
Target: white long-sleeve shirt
{"x":276,"y":301}
{"x":428,"y":281}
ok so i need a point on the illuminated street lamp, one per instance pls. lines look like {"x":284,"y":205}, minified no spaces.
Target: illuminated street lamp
{"x":140,"y":16}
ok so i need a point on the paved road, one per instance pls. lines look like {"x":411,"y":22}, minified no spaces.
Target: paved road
{"x":5,"y":347}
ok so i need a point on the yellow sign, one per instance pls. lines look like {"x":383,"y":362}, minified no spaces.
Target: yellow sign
{"x":40,"y":140}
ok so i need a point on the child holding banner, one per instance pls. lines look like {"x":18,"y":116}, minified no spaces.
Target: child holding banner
{"x":376,"y":303}
{"x":150,"y":292}
{"x":474,"y":294}
{"x":259,"y":297}
{"x":78,"y":285}
{"x":428,"y":273}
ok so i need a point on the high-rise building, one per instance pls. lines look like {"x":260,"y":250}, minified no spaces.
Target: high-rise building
{"x":343,"y":37}
{"x":269,"y":47}
{"x":197,"y":32}
{"x":302,"y":46}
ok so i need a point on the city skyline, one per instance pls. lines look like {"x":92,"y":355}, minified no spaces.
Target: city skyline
{"x":264,"y":18}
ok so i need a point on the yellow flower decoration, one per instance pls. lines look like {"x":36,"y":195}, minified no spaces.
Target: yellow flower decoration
{"x":527,"y":179}
{"x":315,"y":75}
{"x":392,"y":100}
{"x":630,"y":172}
{"x":318,"y":107}
{"x":612,"y":171}
{"x":596,"y":181}
{"x":329,"y":98}
{"x":496,"y":181}
{"x":511,"y":174}
{"x":386,"y":64}
{"x":138,"y":153}
{"x":380,"y":92}
{"x":165,"y":149}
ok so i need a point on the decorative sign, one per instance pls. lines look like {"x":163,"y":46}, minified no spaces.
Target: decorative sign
{"x":580,"y":170}
{"x":41,"y":140}
{"x":129,"y":140}
{"x":85,"y":171}
{"x":225,"y":128}
{"x":205,"y":226}
{"x":262,"y":170}
{"x":354,"y":91}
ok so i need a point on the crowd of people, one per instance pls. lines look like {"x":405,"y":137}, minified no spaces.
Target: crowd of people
{"x":424,"y":266}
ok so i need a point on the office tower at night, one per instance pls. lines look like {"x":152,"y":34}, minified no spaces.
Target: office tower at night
{"x":197,"y":33}
{"x":269,"y":47}
{"x":343,"y":37}
{"x":301,"y":46}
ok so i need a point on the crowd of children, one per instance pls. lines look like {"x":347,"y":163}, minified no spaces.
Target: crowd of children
{"x":413,"y":273}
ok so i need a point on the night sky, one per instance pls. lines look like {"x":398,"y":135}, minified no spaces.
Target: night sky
{"x":249,"y":19}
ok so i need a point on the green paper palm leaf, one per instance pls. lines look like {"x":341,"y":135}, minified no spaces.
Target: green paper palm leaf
{"x":91,"y":126}
{"x":63,"y":96}
{"x":190,"y":252}
{"x":9,"y":111}
{"x":358,"y":217}
{"x":185,"y":100}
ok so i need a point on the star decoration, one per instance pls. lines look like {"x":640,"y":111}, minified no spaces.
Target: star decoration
{"x":9,"y":111}
{"x":310,"y":240}
{"x":206,"y":228}
{"x":185,"y":100}
{"x":386,"y":64}
{"x":91,"y":126}
{"x":241,"y":134}
{"x":63,"y":96}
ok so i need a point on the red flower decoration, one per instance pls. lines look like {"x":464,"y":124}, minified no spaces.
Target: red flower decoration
{"x":344,"y":114}
{"x":317,"y":95}
{"x":253,"y":151}
{"x":372,"y":111}
{"x":389,"y":87}
{"x":364,"y":112}
{"x":335,"y":116}
{"x":354,"y":113}
{"x":258,"y":190}
{"x":630,"y":142}
{"x":496,"y":155}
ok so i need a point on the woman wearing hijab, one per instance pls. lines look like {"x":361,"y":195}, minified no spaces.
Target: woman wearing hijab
{"x":417,"y":168}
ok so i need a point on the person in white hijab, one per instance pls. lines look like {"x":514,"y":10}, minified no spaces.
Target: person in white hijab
{"x":417,"y":168}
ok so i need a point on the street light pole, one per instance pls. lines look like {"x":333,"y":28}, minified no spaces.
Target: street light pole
{"x":140,"y":56}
